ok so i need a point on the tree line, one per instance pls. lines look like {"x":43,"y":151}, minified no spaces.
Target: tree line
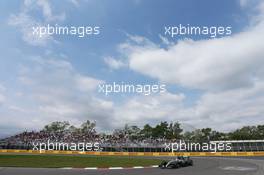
{"x":163,"y":130}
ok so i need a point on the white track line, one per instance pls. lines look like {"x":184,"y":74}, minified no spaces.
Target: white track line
{"x":138,"y":167}
{"x":91,"y":168}
{"x":110,"y":168}
{"x":115,"y":168}
{"x":67,"y":168}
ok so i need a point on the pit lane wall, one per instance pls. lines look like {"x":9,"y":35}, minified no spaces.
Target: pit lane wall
{"x":261,"y":153}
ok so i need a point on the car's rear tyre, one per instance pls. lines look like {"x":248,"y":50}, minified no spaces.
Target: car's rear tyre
{"x":171,"y":166}
{"x":177,"y":166}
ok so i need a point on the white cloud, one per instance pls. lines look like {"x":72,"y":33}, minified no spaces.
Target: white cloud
{"x":2,"y":88}
{"x":54,"y":91}
{"x":75,"y":2}
{"x":244,"y":3}
{"x":148,"y":109}
{"x":165,"y":40}
{"x":2,"y":99}
{"x":25,"y":22}
{"x":223,"y":63}
{"x":114,"y":63}
{"x":230,"y":109}
{"x":16,"y":108}
{"x":2,"y":96}
{"x":87,"y":84}
{"x":211,"y":64}
{"x":58,"y":92}
{"x":223,"y":111}
{"x":45,"y":7}
{"x":229,"y":70}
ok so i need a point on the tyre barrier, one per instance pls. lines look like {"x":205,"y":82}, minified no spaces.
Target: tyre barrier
{"x":203,"y":154}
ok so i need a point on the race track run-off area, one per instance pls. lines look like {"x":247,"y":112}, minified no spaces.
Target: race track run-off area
{"x":202,"y":166}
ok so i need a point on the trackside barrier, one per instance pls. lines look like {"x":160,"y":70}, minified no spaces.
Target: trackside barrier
{"x":136,"y":153}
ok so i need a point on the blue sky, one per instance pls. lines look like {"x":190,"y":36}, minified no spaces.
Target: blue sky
{"x":56,"y":78}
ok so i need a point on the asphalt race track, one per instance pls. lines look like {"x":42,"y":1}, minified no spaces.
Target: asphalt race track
{"x":202,"y":166}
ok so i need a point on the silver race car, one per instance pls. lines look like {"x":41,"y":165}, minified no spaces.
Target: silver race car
{"x":179,"y":161}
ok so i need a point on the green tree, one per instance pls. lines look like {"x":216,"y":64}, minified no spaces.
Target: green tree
{"x":88,"y":127}
{"x":147,"y":131}
{"x":260,"y":132}
{"x":57,"y":126}
{"x":174,"y":131}
{"x":161,"y":130}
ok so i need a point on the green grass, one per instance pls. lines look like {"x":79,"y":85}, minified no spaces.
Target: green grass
{"x":51,"y":161}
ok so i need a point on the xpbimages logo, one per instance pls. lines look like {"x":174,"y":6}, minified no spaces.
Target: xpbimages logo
{"x":207,"y":31}
{"x":79,"y":31}
{"x":146,"y":89}
{"x":80,"y":146}
{"x":196,"y":147}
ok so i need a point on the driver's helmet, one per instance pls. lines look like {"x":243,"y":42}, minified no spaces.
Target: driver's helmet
{"x":179,"y":158}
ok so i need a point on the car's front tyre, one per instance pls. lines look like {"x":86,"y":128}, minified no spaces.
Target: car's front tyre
{"x":163,"y":164}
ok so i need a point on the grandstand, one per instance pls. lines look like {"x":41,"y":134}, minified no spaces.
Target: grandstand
{"x":134,"y":139}
{"x":112,"y":143}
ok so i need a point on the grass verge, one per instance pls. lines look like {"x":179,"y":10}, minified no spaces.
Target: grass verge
{"x":52,"y":161}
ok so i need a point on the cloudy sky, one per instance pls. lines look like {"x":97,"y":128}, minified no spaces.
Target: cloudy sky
{"x":211,"y":82}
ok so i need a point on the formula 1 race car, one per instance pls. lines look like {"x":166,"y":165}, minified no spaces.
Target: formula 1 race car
{"x":180,"y":161}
